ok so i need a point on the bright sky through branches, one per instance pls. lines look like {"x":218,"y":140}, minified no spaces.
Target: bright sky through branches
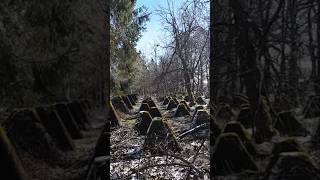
{"x":154,"y":32}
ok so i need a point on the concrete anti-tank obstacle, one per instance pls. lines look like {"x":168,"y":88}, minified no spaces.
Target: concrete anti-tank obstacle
{"x":199,"y":119}
{"x":154,"y":112}
{"x":236,"y":127}
{"x":82,"y":111}
{"x":161,"y":98}
{"x":175,"y":100}
{"x":130,"y":96}
{"x":171,"y":105}
{"x":181,"y":111}
{"x":202,"y":116}
{"x":78,"y":115}
{"x":151,"y":103}
{"x":148,"y":98}
{"x":118,"y":103}
{"x":113,"y":118}
{"x":73,"y":108}
{"x":198,"y":108}
{"x":187,"y":98}
{"x":192,"y":103}
{"x":12,"y":167}
{"x":135,"y":97}
{"x":286,"y":145}
{"x":294,"y":166}
{"x":215,"y":130}
{"x":144,"y":101}
{"x":28,"y":134}
{"x":245,"y":117}
{"x":312,"y":107}
{"x":127,"y":102}
{"x":131,"y":100}
{"x":166,"y":101}
{"x":160,"y":137}
{"x":143,"y":123}
{"x":180,"y":97}
{"x":195,"y":111}
{"x":287,"y":124}
{"x":224,"y":111}
{"x":55,"y":127}
{"x":144,"y":107}
{"x":200,"y":101}
{"x":186,"y":104}
{"x":264,"y":129}
{"x":230,"y":156}
{"x":316,"y":136}
{"x":97,"y":165}
{"x":199,"y":123}
{"x":68,"y":120}
{"x":102,"y":144}
{"x":239,"y":100}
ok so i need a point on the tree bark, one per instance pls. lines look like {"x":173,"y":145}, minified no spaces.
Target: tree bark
{"x":293,"y":66}
{"x":250,"y":72}
{"x":317,"y":88}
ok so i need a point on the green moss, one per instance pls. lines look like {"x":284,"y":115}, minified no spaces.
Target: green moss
{"x":160,"y":136}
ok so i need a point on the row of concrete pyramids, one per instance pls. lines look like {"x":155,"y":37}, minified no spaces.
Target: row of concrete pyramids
{"x":44,"y":132}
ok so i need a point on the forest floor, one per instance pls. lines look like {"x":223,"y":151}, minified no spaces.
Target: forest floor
{"x":265,"y":149}
{"x":127,"y":163}
{"x":75,"y":162}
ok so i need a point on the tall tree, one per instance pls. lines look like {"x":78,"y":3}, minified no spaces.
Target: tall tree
{"x":127,"y":24}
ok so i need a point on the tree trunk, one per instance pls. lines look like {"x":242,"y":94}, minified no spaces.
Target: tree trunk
{"x":311,"y":44}
{"x":250,"y":72}
{"x":293,"y":66}
{"x":187,"y":78}
{"x":317,"y":88}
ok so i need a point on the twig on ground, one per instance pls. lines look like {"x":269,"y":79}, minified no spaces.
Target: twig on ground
{"x":195,"y":157}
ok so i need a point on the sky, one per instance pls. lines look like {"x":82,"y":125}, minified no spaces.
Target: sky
{"x":154,"y":32}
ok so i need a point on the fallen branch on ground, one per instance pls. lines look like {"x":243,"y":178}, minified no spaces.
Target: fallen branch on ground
{"x":193,"y":130}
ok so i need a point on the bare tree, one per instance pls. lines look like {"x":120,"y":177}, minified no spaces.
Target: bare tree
{"x":182,"y":26}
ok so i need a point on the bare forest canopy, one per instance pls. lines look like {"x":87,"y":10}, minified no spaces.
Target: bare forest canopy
{"x":266,"y":48}
{"x":265,"y":66}
{"x":268,"y":51}
{"x":183,"y":65}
